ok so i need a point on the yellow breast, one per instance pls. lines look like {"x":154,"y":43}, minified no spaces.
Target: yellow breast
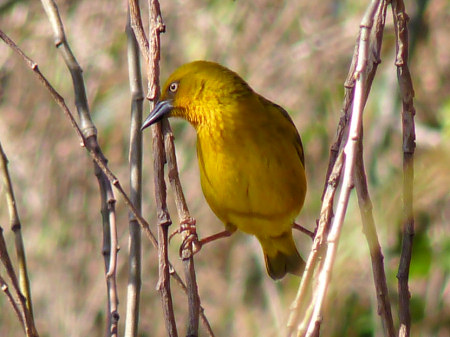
{"x":252,"y":174}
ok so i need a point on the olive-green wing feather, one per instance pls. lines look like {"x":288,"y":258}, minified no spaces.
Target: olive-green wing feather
{"x":299,"y":145}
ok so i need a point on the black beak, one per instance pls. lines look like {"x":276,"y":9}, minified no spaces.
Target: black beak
{"x":161,"y":109}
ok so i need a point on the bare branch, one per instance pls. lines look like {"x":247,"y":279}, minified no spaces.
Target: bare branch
{"x":299,"y":307}
{"x":409,"y":144}
{"x":21,"y":286}
{"x":29,"y":326}
{"x":16,"y":226}
{"x":164,"y":221}
{"x":349,"y":151}
{"x":89,"y":131}
{"x":370,"y":231}
{"x":184,"y":216}
{"x":9,"y":296}
{"x":358,"y":83}
{"x":138,"y":29}
{"x":135,"y":158}
{"x":61,"y":43}
{"x":163,"y":224}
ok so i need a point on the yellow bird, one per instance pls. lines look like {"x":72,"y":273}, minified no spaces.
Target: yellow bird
{"x":250,"y":157}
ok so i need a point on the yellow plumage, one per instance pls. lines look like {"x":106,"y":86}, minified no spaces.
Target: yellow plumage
{"x":250,"y":156}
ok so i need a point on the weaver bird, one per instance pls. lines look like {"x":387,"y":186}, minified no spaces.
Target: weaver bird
{"x":250,"y":157}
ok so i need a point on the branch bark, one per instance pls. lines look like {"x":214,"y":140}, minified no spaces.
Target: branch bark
{"x":156,"y":28}
{"x":24,"y":299}
{"x":184,"y":217}
{"x":362,"y":71}
{"x":88,"y":130}
{"x":135,"y":158}
{"x":370,"y":231}
{"x":409,"y":144}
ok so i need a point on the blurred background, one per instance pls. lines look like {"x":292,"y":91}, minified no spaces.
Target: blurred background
{"x":297,"y":54}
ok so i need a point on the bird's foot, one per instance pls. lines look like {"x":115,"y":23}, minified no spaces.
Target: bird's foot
{"x":191,"y":244}
{"x":304,"y":230}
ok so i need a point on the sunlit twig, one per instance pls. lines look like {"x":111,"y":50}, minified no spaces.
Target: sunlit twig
{"x":135,"y":158}
{"x":20,"y":285}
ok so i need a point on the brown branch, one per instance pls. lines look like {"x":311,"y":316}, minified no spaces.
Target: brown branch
{"x":95,"y":156}
{"x":138,"y":29}
{"x":86,"y":124}
{"x":9,"y":296}
{"x":361,"y":74}
{"x":299,"y":307}
{"x":21,"y":286}
{"x":163,"y":225}
{"x":370,"y":231}
{"x":184,"y":217}
{"x":159,"y":159}
{"x":191,"y":288}
{"x":29,"y":327}
{"x":89,"y":131}
{"x":135,"y":158}
{"x":16,"y":227}
{"x":409,"y":144}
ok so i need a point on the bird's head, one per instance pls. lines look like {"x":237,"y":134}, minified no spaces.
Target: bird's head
{"x":196,"y":92}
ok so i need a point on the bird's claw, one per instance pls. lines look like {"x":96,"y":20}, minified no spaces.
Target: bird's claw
{"x":191,"y":244}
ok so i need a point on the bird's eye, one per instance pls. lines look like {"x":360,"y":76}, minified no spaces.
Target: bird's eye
{"x":173,"y":86}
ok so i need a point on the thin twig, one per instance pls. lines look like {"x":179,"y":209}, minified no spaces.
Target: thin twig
{"x":370,"y":232}
{"x":184,"y":216}
{"x":27,"y":318}
{"x":16,"y":227}
{"x":409,"y":144}
{"x":299,"y":306}
{"x":95,"y":156}
{"x":112,"y":271}
{"x":164,"y":221}
{"x":9,"y":296}
{"x":349,"y":151}
{"x":138,"y":28}
{"x":86,"y":124}
{"x":136,"y":25}
{"x":135,"y":158}
{"x":29,"y":327}
{"x":360,"y":93}
{"x":89,"y":131}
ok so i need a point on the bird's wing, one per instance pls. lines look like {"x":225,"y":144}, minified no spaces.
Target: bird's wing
{"x":284,"y":113}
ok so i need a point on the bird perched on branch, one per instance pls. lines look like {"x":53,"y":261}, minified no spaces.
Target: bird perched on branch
{"x":250,"y":157}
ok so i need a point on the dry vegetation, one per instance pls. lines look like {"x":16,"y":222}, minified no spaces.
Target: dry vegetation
{"x":297,"y":54}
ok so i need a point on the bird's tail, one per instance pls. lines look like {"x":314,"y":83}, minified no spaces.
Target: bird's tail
{"x":281,"y":256}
